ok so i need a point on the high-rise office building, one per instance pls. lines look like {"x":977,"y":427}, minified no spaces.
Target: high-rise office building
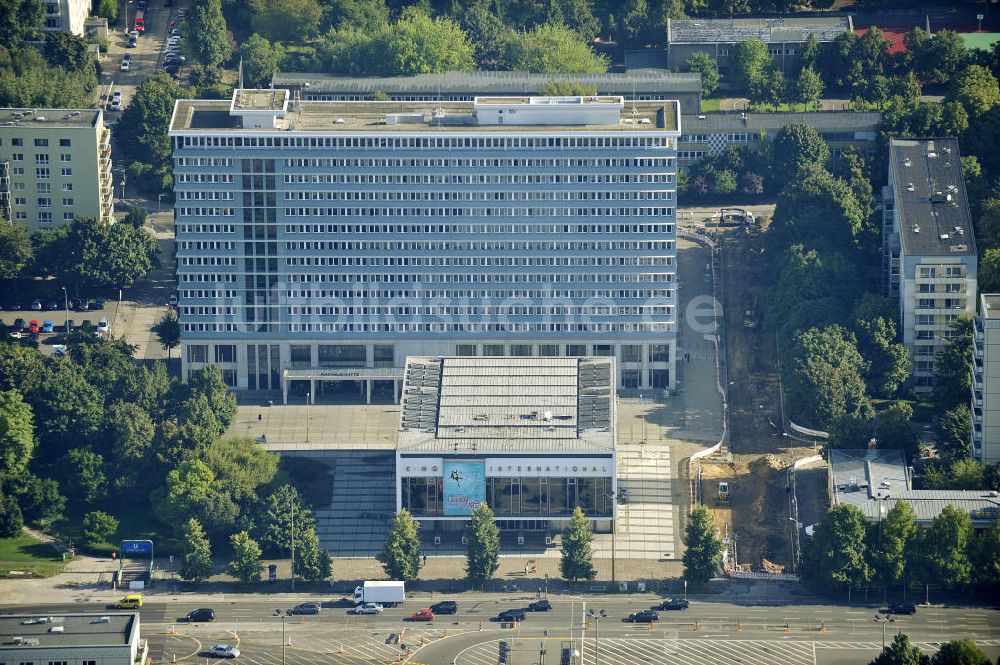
{"x":55,"y":165}
{"x":323,"y":242}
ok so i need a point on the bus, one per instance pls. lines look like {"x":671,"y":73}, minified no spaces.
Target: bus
{"x":140,"y":20}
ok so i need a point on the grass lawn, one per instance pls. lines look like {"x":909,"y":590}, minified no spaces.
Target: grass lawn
{"x":28,"y":556}
{"x":710,"y":105}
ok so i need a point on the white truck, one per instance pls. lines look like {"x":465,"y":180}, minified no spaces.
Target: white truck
{"x":387,"y":593}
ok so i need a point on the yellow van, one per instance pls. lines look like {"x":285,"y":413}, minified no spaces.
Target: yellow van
{"x":133,"y":601}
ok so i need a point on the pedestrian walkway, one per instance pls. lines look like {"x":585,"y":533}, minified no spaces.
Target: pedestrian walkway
{"x":645,"y":527}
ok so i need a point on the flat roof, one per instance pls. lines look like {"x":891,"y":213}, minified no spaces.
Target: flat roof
{"x":867,"y":477}
{"x":31,"y":117}
{"x":822,"y":120}
{"x":734,"y":30}
{"x":990,"y":305}
{"x":36,"y":630}
{"x":931,"y":204}
{"x":501,"y":404}
{"x":211,"y":116}
{"x":640,"y":81}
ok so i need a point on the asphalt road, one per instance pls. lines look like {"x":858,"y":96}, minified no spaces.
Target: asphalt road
{"x":820,"y":633}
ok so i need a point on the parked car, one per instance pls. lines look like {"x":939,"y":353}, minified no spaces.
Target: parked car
{"x":15,"y":332}
{"x":81,"y":305}
{"x":133,"y":42}
{"x":645,"y":616}
{"x":174,"y":60}
{"x":19,"y":323}
{"x":902,"y":608}
{"x":36,"y":305}
{"x":224,"y":651}
{"x":126,"y":62}
{"x":53,"y":305}
{"x":98,"y":303}
{"x":422,"y":615}
{"x":673,"y":604}
{"x":445,"y":607}
{"x":47,"y":326}
{"x":512,"y":615}
{"x":201,"y":615}
{"x":86,"y":323}
{"x":33,"y":326}
{"x":540,"y":606}
{"x":176,"y":32}
{"x":58,"y":349}
{"x":102,"y":325}
{"x":172,"y":300}
{"x":306,"y":608}
{"x":368,"y":608}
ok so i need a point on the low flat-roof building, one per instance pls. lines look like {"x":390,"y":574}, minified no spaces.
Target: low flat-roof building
{"x":709,"y":133}
{"x":928,"y":247}
{"x":784,"y":36}
{"x":639,"y":84}
{"x":532,"y":437}
{"x":109,"y":638}
{"x":874,"y":480}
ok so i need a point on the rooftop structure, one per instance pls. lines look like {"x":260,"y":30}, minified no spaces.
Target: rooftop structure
{"x":111,"y":638}
{"x":768,"y":30}
{"x":867,"y":478}
{"x":639,"y":84}
{"x":508,"y":404}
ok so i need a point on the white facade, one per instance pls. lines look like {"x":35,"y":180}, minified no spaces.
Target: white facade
{"x":66,"y":16}
{"x":106,"y":638}
{"x":986,"y":381}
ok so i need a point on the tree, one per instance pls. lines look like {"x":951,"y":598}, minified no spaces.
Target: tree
{"x":241,"y":465}
{"x":196,"y":556}
{"x":577,"y":539}
{"x":260,"y":61}
{"x":483,"y":549}
{"x":808,"y":87}
{"x":208,"y":382}
{"x":890,"y":541}
{"x":141,"y":132}
{"x":976,"y":89}
{"x":246,"y":565}
{"x":988,"y":226}
{"x":568,"y":88}
{"x":19,"y":20}
{"x":798,"y":148}
{"x":554,"y":49}
{"x":17,"y":434}
{"x":703,"y":549}
{"x":66,"y":50}
{"x":108,"y":9}
{"x":400,"y":556}
{"x":704,"y":64}
{"x":489,"y":36}
{"x":960,"y":652}
{"x":168,"y":332}
{"x":823,"y":377}
{"x":205,"y":33}
{"x":749,"y":62}
{"x":67,"y":409}
{"x":874,"y":325}
{"x":98,"y":527}
{"x":364,"y":15}
{"x":725,"y":183}
{"x":312,"y":562}
{"x":953,"y":367}
{"x":985,"y":555}
{"x":945,"y":549}
{"x":39,"y":498}
{"x":958,"y":474}
{"x":286,"y":20}
{"x":901,"y":652}
{"x":954,"y":429}
{"x":836,"y":555}
{"x":16,"y":251}
{"x":136,"y":216}
{"x":11,"y":519}
{"x":894,"y":430}
{"x":282,"y":511}
{"x":84,"y":474}
{"x":129,"y":433}
{"x":192,"y":490}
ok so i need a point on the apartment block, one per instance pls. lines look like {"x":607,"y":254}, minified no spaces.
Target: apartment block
{"x":986,"y":381}
{"x":928,"y":248}
{"x":55,"y":164}
{"x":323,"y":241}
{"x":66,"y":16}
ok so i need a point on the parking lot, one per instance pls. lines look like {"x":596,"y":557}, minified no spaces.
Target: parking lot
{"x":18,"y":320}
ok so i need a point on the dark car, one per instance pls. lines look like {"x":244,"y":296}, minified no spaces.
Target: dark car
{"x":97,"y":303}
{"x":540,"y":606}
{"x":53,"y":305}
{"x":19,"y":324}
{"x":512,"y":615}
{"x":902,"y":608}
{"x":306,"y":608}
{"x":81,"y":305}
{"x":445,"y":607}
{"x":645,"y":616}
{"x":14,"y":306}
{"x":201,"y":615}
{"x":86,"y":323}
{"x":673,"y":604}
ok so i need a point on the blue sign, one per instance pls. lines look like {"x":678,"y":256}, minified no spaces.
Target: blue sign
{"x":464,"y":487}
{"x":137,"y":546}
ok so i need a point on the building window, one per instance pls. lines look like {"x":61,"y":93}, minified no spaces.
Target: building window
{"x":492,"y":349}
{"x":42,"y":158}
{"x":198,"y":353}
{"x":45,"y":218}
{"x":465,"y":350}
{"x":229,"y":377}
{"x":16,"y":141}
{"x":927,"y":272}
{"x":41,"y":143}
{"x":44,"y":188}
{"x":659,"y":353}
{"x":384,"y":355}
{"x":520,"y":350}
{"x":659,"y":378}
{"x":67,"y":217}
{"x":44,"y":202}
{"x":65,"y":157}
{"x":17,"y":156}
{"x":67,"y":187}
{"x":225,"y":353}
{"x":631,"y":353}
{"x":300,"y":355}
{"x":66,"y":171}
{"x":604,"y":350}
{"x":64,"y":143}
{"x":630,"y":378}
{"x":68,"y":202}
{"x":576,"y":349}
{"x":42,"y":173}
{"x":548,"y":349}
{"x":342,"y":355}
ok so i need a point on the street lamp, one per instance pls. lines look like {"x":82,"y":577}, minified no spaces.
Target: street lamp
{"x":125,"y":29}
{"x":979,"y":17}
{"x":159,"y":202}
{"x":881,"y":499}
{"x":614,"y":515}
{"x":66,"y":303}
{"x":308,"y":397}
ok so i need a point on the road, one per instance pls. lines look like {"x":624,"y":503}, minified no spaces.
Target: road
{"x":708,"y":632}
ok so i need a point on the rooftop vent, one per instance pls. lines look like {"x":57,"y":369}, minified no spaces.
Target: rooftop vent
{"x":944,"y":236}
{"x":916,"y":229}
{"x":906,"y":161}
{"x":958,"y":249}
{"x":909,"y":187}
{"x":931,"y":154}
{"x":940,"y":197}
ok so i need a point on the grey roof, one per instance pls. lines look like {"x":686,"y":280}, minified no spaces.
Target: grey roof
{"x":77,"y":630}
{"x":32,"y":117}
{"x":990,"y":305}
{"x":639,"y":81}
{"x":856,"y":121}
{"x":504,"y":404}
{"x":865,"y":478}
{"x":931,"y":204}
{"x":734,"y":30}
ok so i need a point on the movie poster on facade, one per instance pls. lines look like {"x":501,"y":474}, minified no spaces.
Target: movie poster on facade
{"x":464,"y":487}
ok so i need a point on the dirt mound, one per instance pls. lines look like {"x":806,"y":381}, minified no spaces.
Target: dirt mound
{"x":773,"y":462}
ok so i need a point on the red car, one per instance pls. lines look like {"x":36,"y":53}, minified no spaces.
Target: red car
{"x":33,"y":326}
{"x":422,"y":615}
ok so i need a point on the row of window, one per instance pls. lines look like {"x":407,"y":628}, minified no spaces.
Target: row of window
{"x":665,"y":295}
{"x":43,"y":218}
{"x":182,"y":178}
{"x":473,"y":179}
{"x":39,"y":143}
{"x":42,"y":202}
{"x":523,"y":278}
{"x":480,"y":245}
{"x":534,"y":195}
{"x":425,"y":143}
{"x":41,"y":172}
{"x":454,"y":229}
{"x":942,"y":271}
{"x":41,"y":158}
{"x":454,"y":212}
{"x":659,"y":163}
{"x":472,"y":310}
{"x":41,"y":187}
{"x":477,"y":262}
{"x":481,"y":328}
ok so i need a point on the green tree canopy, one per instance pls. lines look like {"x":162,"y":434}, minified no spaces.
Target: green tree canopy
{"x":956,"y":474}
{"x":192,"y":490}
{"x":312,"y":562}
{"x":196,"y":555}
{"x":11,"y":519}
{"x":489,"y":36}
{"x":246,"y":565}
{"x":363,"y":15}
{"x":241,"y":465}
{"x":99,"y":527}
{"x":260,"y":61}
{"x":16,"y":250}
{"x":129,"y":433}
{"x":568,"y":88}
{"x":807,"y":88}
{"x":944,"y":549}
{"x":953,"y":367}
{"x":17,"y":434}
{"x":704,"y":64}
{"x":577,"y":540}
{"x":935,"y":57}
{"x":874,"y":326}
{"x":208,"y":381}
{"x":483,"y":548}
{"x":19,"y":20}
{"x":985,"y":555}
{"x":749,"y":62}
{"x":819,"y":212}
{"x":68,"y":409}
{"x":976,"y":89}
{"x":84,"y":474}
{"x":286,"y":20}
{"x":703,"y":549}
{"x":960,"y":652}
{"x":282,"y":511}
{"x":988,"y":227}
{"x":554,"y":49}
{"x":799,"y":148}
{"x":894,"y":430}
{"x":901,"y":652}
{"x":206,"y":36}
{"x":836,"y":555}
{"x":954,"y":428}
{"x":888,"y":548}
{"x":168,"y":332}
{"x":400,"y":556}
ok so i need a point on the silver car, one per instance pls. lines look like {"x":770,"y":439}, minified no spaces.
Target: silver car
{"x":224,"y":651}
{"x":368,"y":608}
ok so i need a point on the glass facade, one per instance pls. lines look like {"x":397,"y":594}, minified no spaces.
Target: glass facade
{"x":519,"y":497}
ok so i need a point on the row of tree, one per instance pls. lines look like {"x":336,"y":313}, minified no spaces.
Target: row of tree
{"x":956,"y":652}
